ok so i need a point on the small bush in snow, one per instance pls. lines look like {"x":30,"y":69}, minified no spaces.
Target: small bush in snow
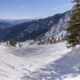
{"x":12,"y":42}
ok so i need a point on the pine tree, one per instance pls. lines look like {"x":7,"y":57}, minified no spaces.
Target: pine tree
{"x":74,"y":25}
{"x":12,"y":42}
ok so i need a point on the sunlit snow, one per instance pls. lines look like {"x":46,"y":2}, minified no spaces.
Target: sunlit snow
{"x":39,"y":62}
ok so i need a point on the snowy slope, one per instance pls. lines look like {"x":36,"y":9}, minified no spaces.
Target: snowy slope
{"x":58,"y":30}
{"x":34,"y":62}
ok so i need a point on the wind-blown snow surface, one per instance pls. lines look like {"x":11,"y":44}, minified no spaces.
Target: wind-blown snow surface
{"x":34,"y":62}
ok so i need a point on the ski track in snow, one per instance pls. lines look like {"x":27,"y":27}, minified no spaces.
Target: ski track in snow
{"x":34,"y":62}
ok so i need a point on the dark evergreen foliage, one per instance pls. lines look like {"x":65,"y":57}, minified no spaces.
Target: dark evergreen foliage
{"x":12,"y":42}
{"x":74,"y":25}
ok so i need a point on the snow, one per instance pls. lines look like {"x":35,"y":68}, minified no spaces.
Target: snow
{"x":59,"y":29}
{"x":39,"y":62}
{"x":76,"y":78}
{"x":61,"y":35}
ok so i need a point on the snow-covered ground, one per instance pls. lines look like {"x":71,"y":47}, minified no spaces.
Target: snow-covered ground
{"x":44,"y":62}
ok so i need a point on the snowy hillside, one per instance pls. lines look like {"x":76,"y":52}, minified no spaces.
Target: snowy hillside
{"x":58,"y":30}
{"x":36,"y":28}
{"x":34,"y":62}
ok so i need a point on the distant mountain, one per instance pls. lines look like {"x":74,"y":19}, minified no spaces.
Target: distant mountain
{"x":15,"y":21}
{"x":42,"y":28}
{"x":58,"y":30}
{"x":4,"y":25}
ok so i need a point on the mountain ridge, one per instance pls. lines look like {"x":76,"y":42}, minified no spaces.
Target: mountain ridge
{"x":15,"y":21}
{"x":32,"y":29}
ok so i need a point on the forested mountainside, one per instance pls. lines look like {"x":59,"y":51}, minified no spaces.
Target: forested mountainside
{"x":4,"y":25}
{"x":46,"y":27}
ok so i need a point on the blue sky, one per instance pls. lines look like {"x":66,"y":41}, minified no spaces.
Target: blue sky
{"x":19,"y":9}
